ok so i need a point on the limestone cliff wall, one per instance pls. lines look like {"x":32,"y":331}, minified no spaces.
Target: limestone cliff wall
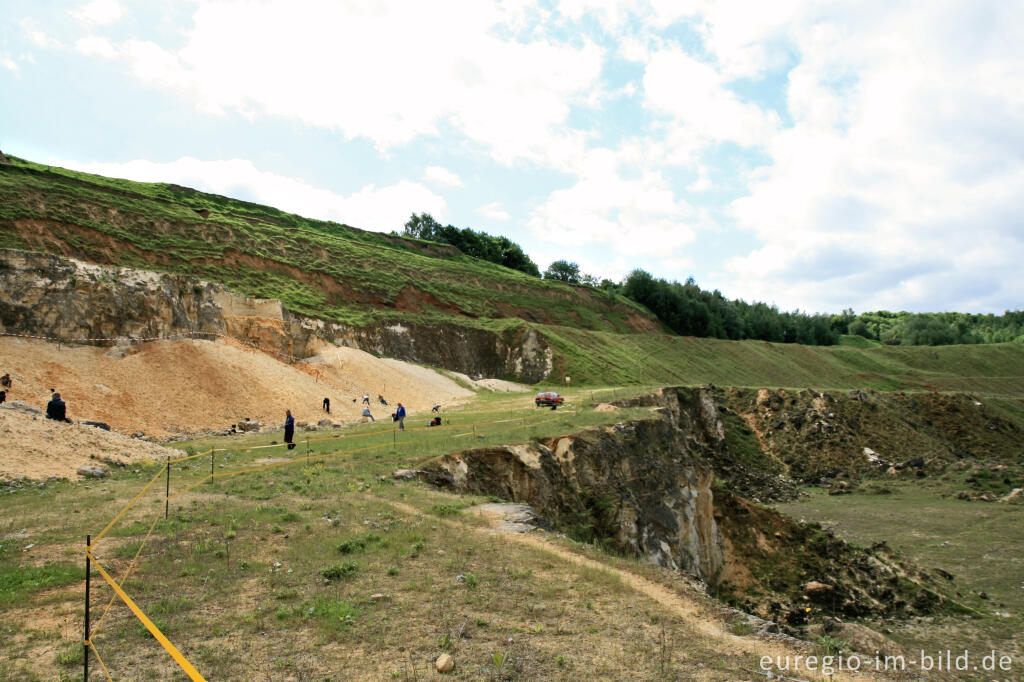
{"x":642,"y":485}
{"x":48,"y":295}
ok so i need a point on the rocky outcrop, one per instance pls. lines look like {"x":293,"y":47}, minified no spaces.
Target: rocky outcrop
{"x":647,"y":487}
{"x":68,"y":299}
{"x":641,"y":486}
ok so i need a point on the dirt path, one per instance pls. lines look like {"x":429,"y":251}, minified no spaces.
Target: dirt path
{"x":690,"y":612}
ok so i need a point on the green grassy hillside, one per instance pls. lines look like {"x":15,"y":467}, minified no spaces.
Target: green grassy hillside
{"x":315,"y":267}
{"x":590,"y":356}
{"x":343,"y":274}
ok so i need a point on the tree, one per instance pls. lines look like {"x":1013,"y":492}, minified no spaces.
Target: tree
{"x":422,"y":226}
{"x":563,"y":271}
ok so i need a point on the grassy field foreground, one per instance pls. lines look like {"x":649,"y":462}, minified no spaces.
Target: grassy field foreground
{"x":317,"y":571}
{"x":979,"y":543}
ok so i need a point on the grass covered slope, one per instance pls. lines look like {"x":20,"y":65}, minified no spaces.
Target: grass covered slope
{"x":339,"y":273}
{"x":317,"y":268}
{"x":591,"y":356}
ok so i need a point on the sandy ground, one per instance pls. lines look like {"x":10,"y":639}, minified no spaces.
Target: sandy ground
{"x":172,"y":387}
{"x":35,"y":447}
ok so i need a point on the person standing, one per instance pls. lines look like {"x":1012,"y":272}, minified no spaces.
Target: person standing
{"x":400,"y":415}
{"x":366,"y":399}
{"x":289,"y":429}
{"x":327,"y":405}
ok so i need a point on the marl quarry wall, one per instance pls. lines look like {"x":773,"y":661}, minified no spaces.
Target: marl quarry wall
{"x":63,"y":298}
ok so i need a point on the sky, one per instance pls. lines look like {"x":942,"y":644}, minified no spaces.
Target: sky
{"x":815,"y":155}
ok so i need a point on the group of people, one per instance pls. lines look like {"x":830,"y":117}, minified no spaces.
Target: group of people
{"x":398,"y":416}
{"x":56,"y":409}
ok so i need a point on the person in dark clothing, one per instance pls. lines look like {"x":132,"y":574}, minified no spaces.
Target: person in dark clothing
{"x":5,"y":381}
{"x":289,"y":429}
{"x":400,"y":416}
{"x":3,"y":397}
{"x":56,"y":409}
{"x":382,"y":401}
{"x":327,"y":405}
{"x":436,"y":421}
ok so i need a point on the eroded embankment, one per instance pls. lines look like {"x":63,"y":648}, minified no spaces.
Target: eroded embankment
{"x":647,"y":488}
{"x":63,"y":298}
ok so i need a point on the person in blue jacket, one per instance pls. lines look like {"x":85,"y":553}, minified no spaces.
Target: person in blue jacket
{"x":289,"y":429}
{"x":400,"y":416}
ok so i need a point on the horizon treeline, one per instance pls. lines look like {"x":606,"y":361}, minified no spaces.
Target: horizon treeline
{"x":691,"y":311}
{"x":688,"y":310}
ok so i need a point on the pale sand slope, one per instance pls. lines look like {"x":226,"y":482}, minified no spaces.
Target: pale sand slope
{"x":35,"y":447}
{"x":169,"y":387}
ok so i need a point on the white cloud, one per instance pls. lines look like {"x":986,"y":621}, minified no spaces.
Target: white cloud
{"x":638,"y":216}
{"x":391,"y":72}
{"x":38,"y":37}
{"x":99,"y":12}
{"x":894,"y":182}
{"x":494,"y":211}
{"x":703,"y":110}
{"x":95,"y":46}
{"x":375,"y":208}
{"x":442,"y":176}
{"x":8,"y":63}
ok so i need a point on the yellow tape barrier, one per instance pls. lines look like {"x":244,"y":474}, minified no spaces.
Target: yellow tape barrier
{"x":102,"y":664}
{"x":153,"y":629}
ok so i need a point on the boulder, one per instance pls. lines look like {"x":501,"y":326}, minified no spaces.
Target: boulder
{"x":248,"y":425}
{"x":324,"y":423}
{"x":92,"y":471}
{"x":1016,"y":496}
{"x":444,"y":663}
{"x":862,"y":639}
{"x":18,"y":405}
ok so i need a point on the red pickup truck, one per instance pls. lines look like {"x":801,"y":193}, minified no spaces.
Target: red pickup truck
{"x":548,"y":398}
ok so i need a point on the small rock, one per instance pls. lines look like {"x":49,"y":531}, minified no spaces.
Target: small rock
{"x":816,"y":588}
{"x":982,"y":595}
{"x":93,"y":472}
{"x":444,"y":663}
{"x":377,"y":597}
{"x":460,"y":578}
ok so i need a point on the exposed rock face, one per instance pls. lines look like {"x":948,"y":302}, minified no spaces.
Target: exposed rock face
{"x":53,"y":296}
{"x":64,"y":298}
{"x":640,"y":485}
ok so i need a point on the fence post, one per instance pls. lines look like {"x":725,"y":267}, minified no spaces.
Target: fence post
{"x":212,"y":455}
{"x":167,"y":493}
{"x":85,"y":642}
{"x":307,"y":446}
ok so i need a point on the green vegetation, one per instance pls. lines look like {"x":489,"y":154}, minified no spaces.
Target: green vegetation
{"x":977,"y":544}
{"x":481,"y":245}
{"x":659,"y":359}
{"x":932,"y":329}
{"x":16,"y":580}
{"x":317,"y":268}
{"x":270,"y":605}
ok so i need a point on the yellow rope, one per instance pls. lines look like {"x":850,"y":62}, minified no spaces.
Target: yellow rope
{"x":102,"y":665}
